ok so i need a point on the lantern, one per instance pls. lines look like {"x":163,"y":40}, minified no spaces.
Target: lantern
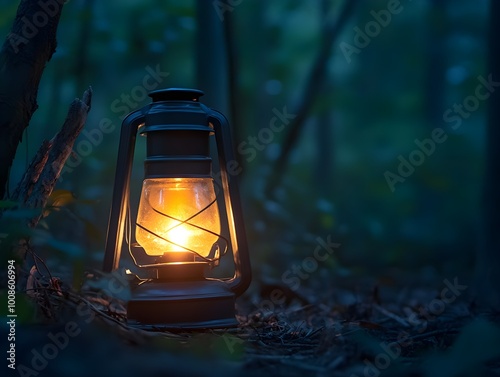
{"x":188,"y":218}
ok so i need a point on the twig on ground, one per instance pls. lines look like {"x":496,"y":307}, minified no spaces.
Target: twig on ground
{"x":391,"y":315}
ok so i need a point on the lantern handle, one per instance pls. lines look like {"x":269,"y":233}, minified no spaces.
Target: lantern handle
{"x":242,"y":270}
{"x":121,"y":189}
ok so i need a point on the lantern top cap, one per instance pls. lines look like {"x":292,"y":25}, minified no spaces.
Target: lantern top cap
{"x":176,"y":94}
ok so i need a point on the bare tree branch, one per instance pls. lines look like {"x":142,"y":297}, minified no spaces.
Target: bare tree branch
{"x":311,"y":91}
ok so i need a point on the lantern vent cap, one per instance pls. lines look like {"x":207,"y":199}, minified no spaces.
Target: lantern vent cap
{"x":176,"y":94}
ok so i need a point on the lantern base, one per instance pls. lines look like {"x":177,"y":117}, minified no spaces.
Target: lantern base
{"x":160,"y":304}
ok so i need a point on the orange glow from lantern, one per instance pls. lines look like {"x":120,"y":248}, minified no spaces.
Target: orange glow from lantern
{"x":175,"y":214}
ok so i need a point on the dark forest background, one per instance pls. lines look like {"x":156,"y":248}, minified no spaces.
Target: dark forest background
{"x":365,"y":109}
{"x":340,"y":167}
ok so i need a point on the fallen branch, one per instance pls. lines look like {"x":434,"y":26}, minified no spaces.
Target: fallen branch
{"x":391,"y":315}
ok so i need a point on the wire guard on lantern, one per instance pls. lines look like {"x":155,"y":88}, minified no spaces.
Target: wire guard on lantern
{"x":215,"y":253}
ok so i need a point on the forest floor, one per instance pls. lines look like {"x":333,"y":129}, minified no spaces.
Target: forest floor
{"x":356,"y":327}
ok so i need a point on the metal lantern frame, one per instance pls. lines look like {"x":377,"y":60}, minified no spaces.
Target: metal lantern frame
{"x":178,"y":127}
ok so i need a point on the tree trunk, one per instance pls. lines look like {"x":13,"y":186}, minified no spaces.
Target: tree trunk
{"x":325,"y":151}
{"x":82,"y":55}
{"x":436,"y":60}
{"x":211,"y":67}
{"x":232,"y":79}
{"x":324,"y":140}
{"x":488,"y":255}
{"x":22,"y":60}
